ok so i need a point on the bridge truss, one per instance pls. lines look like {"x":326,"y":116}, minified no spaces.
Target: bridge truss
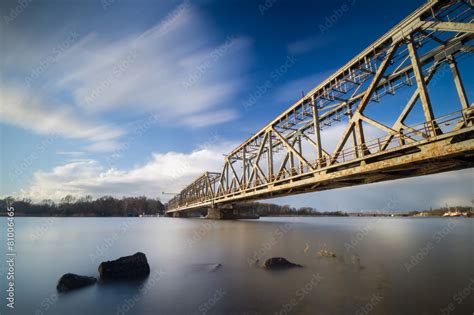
{"x":295,"y":153}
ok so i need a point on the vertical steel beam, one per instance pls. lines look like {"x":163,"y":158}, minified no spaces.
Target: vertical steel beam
{"x":227,"y":178}
{"x":359,"y":131}
{"x":292,"y":162}
{"x":270,"y":157}
{"x":317,"y":133}
{"x":244,"y":168}
{"x":300,"y":150}
{"x":354,"y":137}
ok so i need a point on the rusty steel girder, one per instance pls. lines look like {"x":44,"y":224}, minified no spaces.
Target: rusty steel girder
{"x":289,"y":155}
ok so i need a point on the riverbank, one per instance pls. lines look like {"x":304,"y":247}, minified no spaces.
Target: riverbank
{"x":108,"y":206}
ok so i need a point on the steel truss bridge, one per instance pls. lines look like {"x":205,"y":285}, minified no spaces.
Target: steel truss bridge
{"x":411,"y":137}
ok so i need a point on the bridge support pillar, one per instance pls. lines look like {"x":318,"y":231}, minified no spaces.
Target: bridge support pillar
{"x":228,"y":213}
{"x":214,"y":213}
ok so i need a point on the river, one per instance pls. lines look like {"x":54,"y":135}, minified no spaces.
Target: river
{"x":382,"y":265}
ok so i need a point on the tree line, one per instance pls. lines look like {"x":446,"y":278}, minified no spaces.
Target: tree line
{"x":106,"y":206}
{"x":109,"y":206}
{"x":270,"y":209}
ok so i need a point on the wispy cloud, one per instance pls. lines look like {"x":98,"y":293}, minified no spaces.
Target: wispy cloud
{"x":210,"y":118}
{"x":71,"y":153}
{"x":21,"y":107}
{"x":149,"y":71}
{"x":307,"y":45}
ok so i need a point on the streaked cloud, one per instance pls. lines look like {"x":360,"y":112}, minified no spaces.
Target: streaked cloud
{"x":22,"y":108}
{"x":292,"y":91}
{"x":307,"y":45}
{"x":210,"y":118}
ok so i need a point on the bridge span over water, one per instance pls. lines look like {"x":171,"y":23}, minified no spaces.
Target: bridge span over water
{"x":389,"y":110}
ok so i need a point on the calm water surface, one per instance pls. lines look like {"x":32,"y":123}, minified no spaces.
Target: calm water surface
{"x":383,"y":265}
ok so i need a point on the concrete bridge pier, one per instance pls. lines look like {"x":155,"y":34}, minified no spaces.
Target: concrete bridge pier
{"x":180,"y":214}
{"x":228,"y":213}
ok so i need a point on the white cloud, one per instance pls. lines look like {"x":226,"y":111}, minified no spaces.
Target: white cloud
{"x":21,"y":107}
{"x":169,"y":172}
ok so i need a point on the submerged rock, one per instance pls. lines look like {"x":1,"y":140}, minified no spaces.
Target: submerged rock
{"x":278,"y":263}
{"x":213,"y":267}
{"x":326,"y":253}
{"x":203,"y":267}
{"x":71,"y":281}
{"x":125,"y":268}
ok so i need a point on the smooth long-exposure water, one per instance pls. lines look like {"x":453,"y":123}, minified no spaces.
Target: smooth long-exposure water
{"x":382,"y":265}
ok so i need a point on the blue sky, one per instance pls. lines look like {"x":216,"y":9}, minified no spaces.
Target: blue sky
{"x":107,"y":97}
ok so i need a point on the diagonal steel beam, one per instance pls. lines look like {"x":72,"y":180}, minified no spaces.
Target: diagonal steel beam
{"x":290,"y":148}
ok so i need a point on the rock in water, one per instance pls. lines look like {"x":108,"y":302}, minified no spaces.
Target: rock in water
{"x":326,"y":253}
{"x":128,"y":267}
{"x":70,"y":281}
{"x":279,"y":263}
{"x":213,"y":267}
{"x":204,"y":267}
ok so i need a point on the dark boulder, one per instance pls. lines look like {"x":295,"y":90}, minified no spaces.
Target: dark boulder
{"x":128,"y":267}
{"x":278,"y":263}
{"x":70,"y":281}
